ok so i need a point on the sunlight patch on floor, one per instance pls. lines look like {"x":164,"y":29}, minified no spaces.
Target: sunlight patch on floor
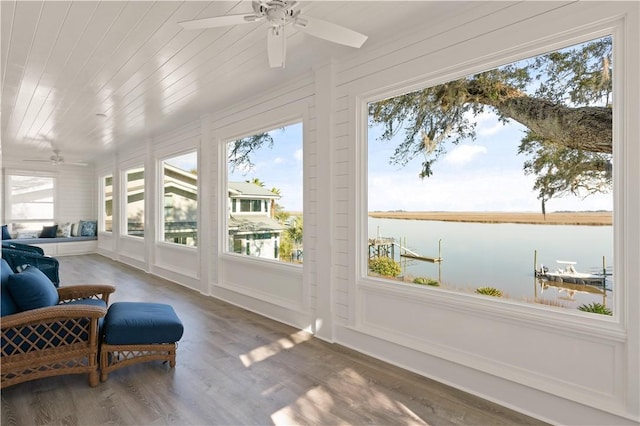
{"x":358,"y":394}
{"x":314,"y":406}
{"x":266,"y":351}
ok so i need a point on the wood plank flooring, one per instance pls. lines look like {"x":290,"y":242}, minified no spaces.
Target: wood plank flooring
{"x":237,"y":368}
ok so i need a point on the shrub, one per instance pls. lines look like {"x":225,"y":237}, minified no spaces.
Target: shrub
{"x":489,"y":291}
{"x":596,"y":308}
{"x":426,"y":281}
{"x":385,"y":266}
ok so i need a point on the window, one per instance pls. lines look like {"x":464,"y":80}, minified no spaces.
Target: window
{"x":30,"y":204}
{"x":265,"y":195}
{"x":180,"y":183}
{"x":135,"y":201}
{"x":497,"y":190}
{"x":107,"y":203}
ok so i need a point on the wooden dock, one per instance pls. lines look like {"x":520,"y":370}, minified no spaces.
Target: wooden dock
{"x":424,"y":258}
{"x":385,"y":246}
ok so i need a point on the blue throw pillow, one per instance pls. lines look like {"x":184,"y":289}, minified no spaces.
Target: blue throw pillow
{"x":7,"y":305}
{"x":31,"y":289}
{"x":49,"y":231}
{"x":5,"y":233}
{"x":88,"y":228}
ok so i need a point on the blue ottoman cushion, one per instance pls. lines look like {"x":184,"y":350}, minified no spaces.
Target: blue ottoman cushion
{"x":135,"y":323}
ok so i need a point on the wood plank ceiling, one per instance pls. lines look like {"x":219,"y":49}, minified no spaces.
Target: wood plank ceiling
{"x":86,"y":77}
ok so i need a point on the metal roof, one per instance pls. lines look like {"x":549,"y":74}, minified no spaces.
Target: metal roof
{"x":254,"y":224}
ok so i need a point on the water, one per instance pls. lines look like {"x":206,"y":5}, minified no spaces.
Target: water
{"x":500,"y":255}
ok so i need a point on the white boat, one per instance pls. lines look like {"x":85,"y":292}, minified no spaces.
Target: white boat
{"x":566,"y":273}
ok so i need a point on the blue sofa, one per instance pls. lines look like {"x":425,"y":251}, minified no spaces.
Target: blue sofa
{"x":48,"y":331}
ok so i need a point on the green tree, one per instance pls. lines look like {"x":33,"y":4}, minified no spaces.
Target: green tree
{"x":385,"y":266}
{"x":294,"y":231}
{"x":286,"y":247}
{"x":274,"y":205}
{"x":240,"y":150}
{"x":280,"y":215}
{"x":256,"y":181}
{"x":562,"y":98}
{"x":291,"y":239}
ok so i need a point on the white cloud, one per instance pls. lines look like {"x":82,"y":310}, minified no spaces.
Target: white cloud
{"x":298,"y":155}
{"x":278,"y":160}
{"x":487,"y":123}
{"x":463,"y":154}
{"x":490,"y":130}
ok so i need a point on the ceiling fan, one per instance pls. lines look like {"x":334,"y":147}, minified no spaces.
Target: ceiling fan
{"x":56,"y":159}
{"x":279,"y":14}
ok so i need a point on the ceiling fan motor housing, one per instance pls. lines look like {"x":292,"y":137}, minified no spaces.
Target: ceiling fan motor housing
{"x":277,"y":12}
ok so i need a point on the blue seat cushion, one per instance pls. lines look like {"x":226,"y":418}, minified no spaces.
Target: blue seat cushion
{"x":31,"y":289}
{"x":134,"y":323}
{"x":90,"y":302}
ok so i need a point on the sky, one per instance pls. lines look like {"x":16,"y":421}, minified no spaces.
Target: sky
{"x":485,"y":174}
{"x":279,"y":167}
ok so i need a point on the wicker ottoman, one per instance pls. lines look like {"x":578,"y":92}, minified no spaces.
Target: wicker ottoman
{"x":135,"y":332}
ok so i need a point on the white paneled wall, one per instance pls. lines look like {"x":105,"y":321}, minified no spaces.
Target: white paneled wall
{"x":77,"y":191}
{"x":237,"y":283}
{"x":539,"y":362}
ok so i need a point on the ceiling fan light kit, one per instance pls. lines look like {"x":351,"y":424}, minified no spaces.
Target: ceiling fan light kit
{"x":56,"y":160}
{"x":279,"y":14}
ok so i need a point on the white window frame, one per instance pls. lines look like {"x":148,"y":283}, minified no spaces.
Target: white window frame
{"x":493,"y":306}
{"x":9,"y":173}
{"x":124,"y":192}
{"x":160,"y":198}
{"x":223,"y":178}
{"x":103,"y":200}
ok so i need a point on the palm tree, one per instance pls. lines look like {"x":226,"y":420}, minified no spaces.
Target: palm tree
{"x":256,"y":181}
{"x":273,"y":201}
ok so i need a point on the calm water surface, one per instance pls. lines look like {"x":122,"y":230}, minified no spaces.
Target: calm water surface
{"x":500,"y":255}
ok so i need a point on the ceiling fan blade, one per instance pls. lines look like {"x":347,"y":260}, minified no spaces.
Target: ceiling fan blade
{"x":329,"y":31}
{"x":220,"y":21}
{"x":276,"y":49}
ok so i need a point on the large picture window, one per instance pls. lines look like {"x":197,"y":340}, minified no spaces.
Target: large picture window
{"x":180,"y":183}
{"x":135,"y":201}
{"x":265,"y":195}
{"x":30,"y":204}
{"x":500,"y":183}
{"x":107,"y":203}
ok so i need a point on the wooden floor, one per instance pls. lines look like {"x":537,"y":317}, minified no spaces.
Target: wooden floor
{"x":235,"y":368}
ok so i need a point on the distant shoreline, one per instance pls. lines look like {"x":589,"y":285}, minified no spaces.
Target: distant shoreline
{"x":556,"y":218}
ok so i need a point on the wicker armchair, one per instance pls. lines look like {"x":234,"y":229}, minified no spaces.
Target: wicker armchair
{"x":19,"y":255}
{"x":53,"y":340}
